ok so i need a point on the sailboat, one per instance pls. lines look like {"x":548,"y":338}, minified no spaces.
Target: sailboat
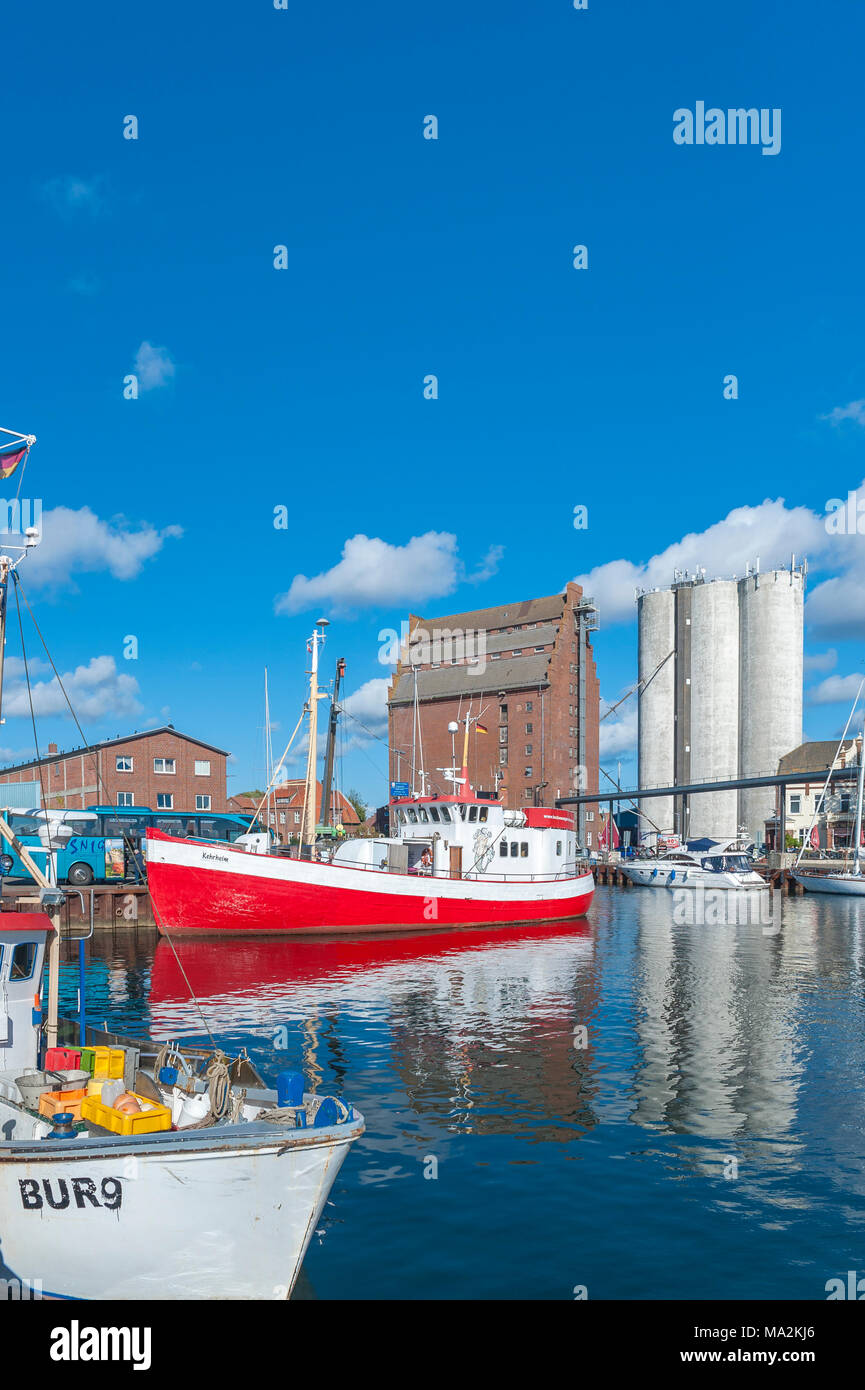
{"x":849,"y":880}
{"x":130,"y":1170}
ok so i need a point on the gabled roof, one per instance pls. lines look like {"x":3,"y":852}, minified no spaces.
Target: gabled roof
{"x":816,"y":757}
{"x":113,"y":743}
{"x":518,"y":673}
{"x":527,"y":610}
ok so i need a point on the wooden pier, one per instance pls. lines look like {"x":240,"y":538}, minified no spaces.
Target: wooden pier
{"x":113,"y":905}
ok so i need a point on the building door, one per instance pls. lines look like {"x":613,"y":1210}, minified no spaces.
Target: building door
{"x":456,"y":855}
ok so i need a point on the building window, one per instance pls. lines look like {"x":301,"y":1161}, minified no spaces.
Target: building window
{"x":528,"y":772}
{"x":503,"y":735}
{"x":282,"y":818}
{"x":202,"y":803}
{"x":163,"y":765}
{"x":517,"y":653}
{"x":529,"y":728}
{"x":122,"y":763}
{"x":503,"y":757}
{"x":297,"y":818}
{"x":528,"y":750}
{"x":202,"y":768}
{"x":165,"y":801}
{"x":795,"y":805}
{"x":590,"y":815}
{"x":125,"y":799}
{"x":503,"y":714}
{"x":528,"y":706}
{"x":845,"y":805}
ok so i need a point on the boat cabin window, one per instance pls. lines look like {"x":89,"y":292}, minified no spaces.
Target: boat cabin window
{"x":462,"y":812}
{"x":524,"y":849}
{"x":503,"y":849}
{"x":412,"y":815}
{"x":473,"y":813}
{"x":515,"y":849}
{"x":483,"y":813}
{"x":558,"y":847}
{"x":421,"y":810}
{"x":445,"y":813}
{"x":400,"y":815}
{"x":434,"y":813}
{"x":23,"y":960}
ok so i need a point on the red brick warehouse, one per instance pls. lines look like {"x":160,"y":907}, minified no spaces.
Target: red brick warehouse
{"x":160,"y":768}
{"x":528,"y":669}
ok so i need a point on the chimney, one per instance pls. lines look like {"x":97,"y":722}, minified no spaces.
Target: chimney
{"x":52,"y":748}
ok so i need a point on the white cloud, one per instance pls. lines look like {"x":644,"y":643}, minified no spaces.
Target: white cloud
{"x":368,"y":707}
{"x":69,"y":193}
{"x":153,"y":367}
{"x":95,"y":691}
{"x":834,"y":689}
{"x":372,"y":573}
{"x":488,"y":566}
{"x":770,"y":532}
{"x":854,"y":411}
{"x":618,"y":733}
{"x":820,"y":661}
{"x":79,"y":542}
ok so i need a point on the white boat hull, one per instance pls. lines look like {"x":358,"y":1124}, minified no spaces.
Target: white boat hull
{"x":208,"y":1219}
{"x":648,"y":875}
{"x":851,"y":884}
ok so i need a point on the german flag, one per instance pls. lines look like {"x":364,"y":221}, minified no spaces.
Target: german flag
{"x":482,"y":728}
{"x":10,"y":461}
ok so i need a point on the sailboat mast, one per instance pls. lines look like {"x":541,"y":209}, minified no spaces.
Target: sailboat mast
{"x":307,"y":833}
{"x":857,"y":867}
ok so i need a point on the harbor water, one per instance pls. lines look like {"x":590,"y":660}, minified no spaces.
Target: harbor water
{"x":633,"y":1106}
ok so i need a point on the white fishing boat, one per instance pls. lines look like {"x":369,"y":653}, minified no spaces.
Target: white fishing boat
{"x":133,"y":1171}
{"x":701,"y":863}
{"x":850,"y":881}
{"x":219,"y":1203}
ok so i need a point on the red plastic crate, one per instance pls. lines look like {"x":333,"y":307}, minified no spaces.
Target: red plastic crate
{"x":63,"y":1059}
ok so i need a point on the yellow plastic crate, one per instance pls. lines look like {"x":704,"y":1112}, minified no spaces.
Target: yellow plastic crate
{"x":150,"y":1121}
{"x":61,"y":1102}
{"x":108,"y":1063}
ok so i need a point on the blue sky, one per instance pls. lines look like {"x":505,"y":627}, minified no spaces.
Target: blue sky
{"x":406,"y":257}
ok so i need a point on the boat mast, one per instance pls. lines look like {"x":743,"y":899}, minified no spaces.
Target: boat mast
{"x":857,"y":867}
{"x":331,"y":742}
{"x":307,"y":832}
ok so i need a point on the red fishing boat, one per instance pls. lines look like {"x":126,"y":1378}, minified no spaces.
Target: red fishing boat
{"x":453,"y":859}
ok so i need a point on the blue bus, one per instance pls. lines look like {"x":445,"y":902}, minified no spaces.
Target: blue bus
{"x":106,"y":845}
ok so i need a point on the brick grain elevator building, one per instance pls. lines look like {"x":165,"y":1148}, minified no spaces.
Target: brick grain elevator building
{"x":526,"y":671}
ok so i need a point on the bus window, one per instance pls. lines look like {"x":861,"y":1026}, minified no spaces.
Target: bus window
{"x":212,"y":829}
{"x":175,"y":825}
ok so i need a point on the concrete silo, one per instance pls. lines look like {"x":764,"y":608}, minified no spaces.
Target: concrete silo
{"x":656,"y":619}
{"x":714,"y":705}
{"x":770,"y":683}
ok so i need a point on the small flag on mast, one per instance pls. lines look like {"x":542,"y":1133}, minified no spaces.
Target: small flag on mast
{"x":10,"y":461}
{"x":482,"y":728}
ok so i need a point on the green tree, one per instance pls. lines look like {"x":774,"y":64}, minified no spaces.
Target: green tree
{"x":357,"y":802}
